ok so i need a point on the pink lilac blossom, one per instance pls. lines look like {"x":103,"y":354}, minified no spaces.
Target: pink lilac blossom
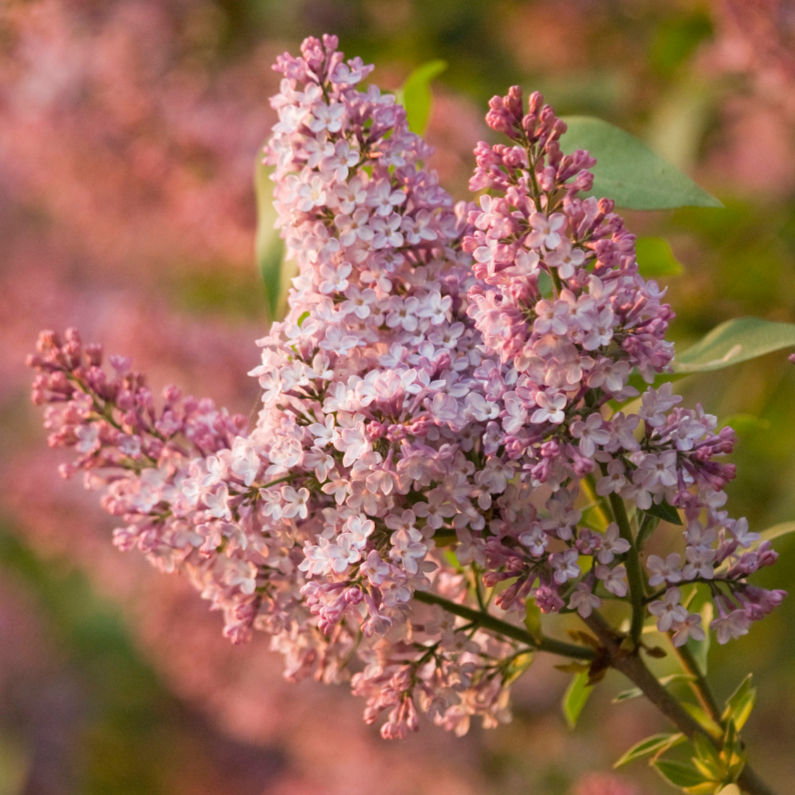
{"x":434,"y":406}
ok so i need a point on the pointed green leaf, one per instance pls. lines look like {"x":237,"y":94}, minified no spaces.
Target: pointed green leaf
{"x":628,"y":695}
{"x":666,"y":512}
{"x":532,"y":619}
{"x":636,"y":692}
{"x":704,"y":788}
{"x":704,"y":720}
{"x":657,"y":743}
{"x":733,"y":754}
{"x":704,"y":748}
{"x":574,"y":698}
{"x":517,"y":667}
{"x":678,"y":774}
{"x":709,"y":772}
{"x":740,"y":703}
{"x":416,"y":94}
{"x":778,"y":530}
{"x":594,"y":518}
{"x":672,"y":678}
{"x":733,"y":342}
{"x":545,"y":284}
{"x":648,"y":524}
{"x":656,"y":258}
{"x":268,"y":244}
{"x":630,"y":173}
{"x":730,"y":737}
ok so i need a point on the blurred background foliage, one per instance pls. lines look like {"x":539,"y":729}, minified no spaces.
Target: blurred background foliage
{"x":126,"y":206}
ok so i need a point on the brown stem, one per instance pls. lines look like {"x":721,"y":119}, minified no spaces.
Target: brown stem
{"x":632,"y":666}
{"x":751,"y":783}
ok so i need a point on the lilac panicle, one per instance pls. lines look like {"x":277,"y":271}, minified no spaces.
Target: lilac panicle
{"x":435,"y":405}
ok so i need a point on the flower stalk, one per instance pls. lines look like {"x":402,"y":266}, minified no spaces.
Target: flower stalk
{"x":634,"y":571}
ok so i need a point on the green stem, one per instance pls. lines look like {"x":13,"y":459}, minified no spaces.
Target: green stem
{"x":272,"y":483}
{"x":634,"y":573}
{"x":553,"y":272}
{"x":490,"y":622}
{"x":478,"y":593}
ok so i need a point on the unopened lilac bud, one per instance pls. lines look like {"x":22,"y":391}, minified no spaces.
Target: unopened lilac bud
{"x":584,"y":181}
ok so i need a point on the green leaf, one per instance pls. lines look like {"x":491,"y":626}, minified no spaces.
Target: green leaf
{"x":594,"y":518}
{"x":657,"y":743}
{"x":517,"y":667}
{"x":636,"y":692}
{"x":648,"y":525}
{"x":704,"y":788}
{"x":778,"y":530}
{"x":269,"y":246}
{"x":733,"y":754}
{"x":707,"y":759}
{"x":417,"y":96}
{"x":574,"y":698}
{"x":745,"y":423}
{"x":628,"y":695}
{"x":704,"y":720}
{"x":731,"y":741}
{"x":689,"y":593}
{"x":733,"y":342}
{"x":630,"y":173}
{"x":709,"y":771}
{"x":666,"y":512}
{"x":740,"y":703}
{"x":545,"y":284}
{"x":700,"y":648}
{"x":656,"y":258}
{"x":678,"y":774}
{"x":532,"y":619}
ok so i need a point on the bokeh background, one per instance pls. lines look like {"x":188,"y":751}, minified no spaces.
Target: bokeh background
{"x":128,"y":135}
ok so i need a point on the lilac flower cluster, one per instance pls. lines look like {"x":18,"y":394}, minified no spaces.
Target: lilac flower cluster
{"x":441,"y":419}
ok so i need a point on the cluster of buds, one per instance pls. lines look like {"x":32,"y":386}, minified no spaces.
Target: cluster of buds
{"x":441,"y":437}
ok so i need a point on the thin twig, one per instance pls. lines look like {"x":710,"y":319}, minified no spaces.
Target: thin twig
{"x":634,"y":573}
{"x":491,"y":622}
